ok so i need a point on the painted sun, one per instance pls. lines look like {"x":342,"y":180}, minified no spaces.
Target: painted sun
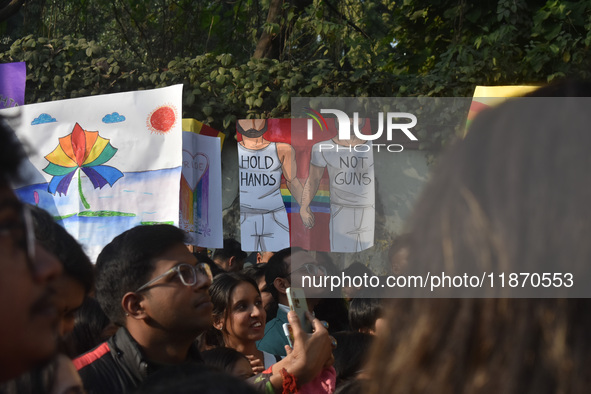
{"x":162,"y":119}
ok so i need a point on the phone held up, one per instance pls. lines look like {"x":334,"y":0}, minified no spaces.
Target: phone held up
{"x":297,"y":303}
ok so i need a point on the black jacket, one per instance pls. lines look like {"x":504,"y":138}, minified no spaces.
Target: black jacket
{"x":118,"y":365}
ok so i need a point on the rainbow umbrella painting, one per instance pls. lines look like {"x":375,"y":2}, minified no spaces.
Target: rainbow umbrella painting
{"x":81,"y":151}
{"x":103,"y":164}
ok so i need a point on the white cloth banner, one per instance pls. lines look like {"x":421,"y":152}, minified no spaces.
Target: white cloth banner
{"x":201,"y":190}
{"x":103,"y":164}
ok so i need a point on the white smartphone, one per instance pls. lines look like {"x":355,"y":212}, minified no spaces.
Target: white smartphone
{"x":297,"y":303}
{"x":288,"y":333}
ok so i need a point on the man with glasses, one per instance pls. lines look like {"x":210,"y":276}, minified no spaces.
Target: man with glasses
{"x":29,"y":326}
{"x":285,"y":268}
{"x":154,"y":288}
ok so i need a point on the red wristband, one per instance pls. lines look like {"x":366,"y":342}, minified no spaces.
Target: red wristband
{"x":289,"y":382}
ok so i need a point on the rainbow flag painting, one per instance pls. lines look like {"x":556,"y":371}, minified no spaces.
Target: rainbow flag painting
{"x":200,"y":212}
{"x":320,"y":203}
{"x":489,"y":96}
{"x":318,"y":237}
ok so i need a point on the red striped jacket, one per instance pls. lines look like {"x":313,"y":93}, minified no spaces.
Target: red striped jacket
{"x":118,"y":365}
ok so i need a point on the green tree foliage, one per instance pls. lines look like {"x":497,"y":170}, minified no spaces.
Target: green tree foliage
{"x":217,"y":89}
{"x":152,"y":31}
{"x":451,"y":46}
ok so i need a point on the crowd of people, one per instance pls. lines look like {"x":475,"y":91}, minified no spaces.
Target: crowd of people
{"x":151,"y":316}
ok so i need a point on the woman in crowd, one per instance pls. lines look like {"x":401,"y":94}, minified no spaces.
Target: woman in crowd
{"x":512,"y":197}
{"x":239,"y":321}
{"x":350,"y":357}
{"x":239,"y":317}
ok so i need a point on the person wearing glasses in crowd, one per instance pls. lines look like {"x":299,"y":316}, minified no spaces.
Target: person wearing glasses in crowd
{"x":27,"y":274}
{"x":277,"y":275}
{"x":71,"y":288}
{"x":154,"y":288}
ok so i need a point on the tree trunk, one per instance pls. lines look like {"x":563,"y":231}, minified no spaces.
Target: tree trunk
{"x":269,"y":45}
{"x":8,"y":8}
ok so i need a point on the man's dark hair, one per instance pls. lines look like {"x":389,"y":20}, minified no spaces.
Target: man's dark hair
{"x":363,"y":313}
{"x":278,"y":268}
{"x":127,"y":262}
{"x":256,"y":271}
{"x":358,"y":269}
{"x":64,"y":246}
{"x":11,"y":153}
{"x":232,"y":248}
{"x":204,"y":258}
{"x":90,"y":323}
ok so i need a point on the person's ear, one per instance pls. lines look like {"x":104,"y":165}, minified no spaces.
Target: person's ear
{"x":231,"y":262}
{"x":218,"y":323}
{"x":132,"y":304}
{"x":281,"y":284}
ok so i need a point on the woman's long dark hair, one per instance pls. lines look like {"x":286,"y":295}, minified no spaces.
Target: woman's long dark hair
{"x":513,"y":195}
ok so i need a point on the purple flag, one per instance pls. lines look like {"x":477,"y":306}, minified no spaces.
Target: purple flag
{"x":12,"y":84}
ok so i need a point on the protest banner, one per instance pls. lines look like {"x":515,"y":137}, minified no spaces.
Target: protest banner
{"x":103,"y":164}
{"x":12,"y":84}
{"x":201,"y":190}
{"x":276,"y":160}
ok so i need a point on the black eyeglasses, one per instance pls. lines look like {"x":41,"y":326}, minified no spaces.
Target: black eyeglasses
{"x":313,"y":269}
{"x":189,"y":274}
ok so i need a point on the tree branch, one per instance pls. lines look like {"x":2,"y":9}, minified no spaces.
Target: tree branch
{"x":343,"y":17}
